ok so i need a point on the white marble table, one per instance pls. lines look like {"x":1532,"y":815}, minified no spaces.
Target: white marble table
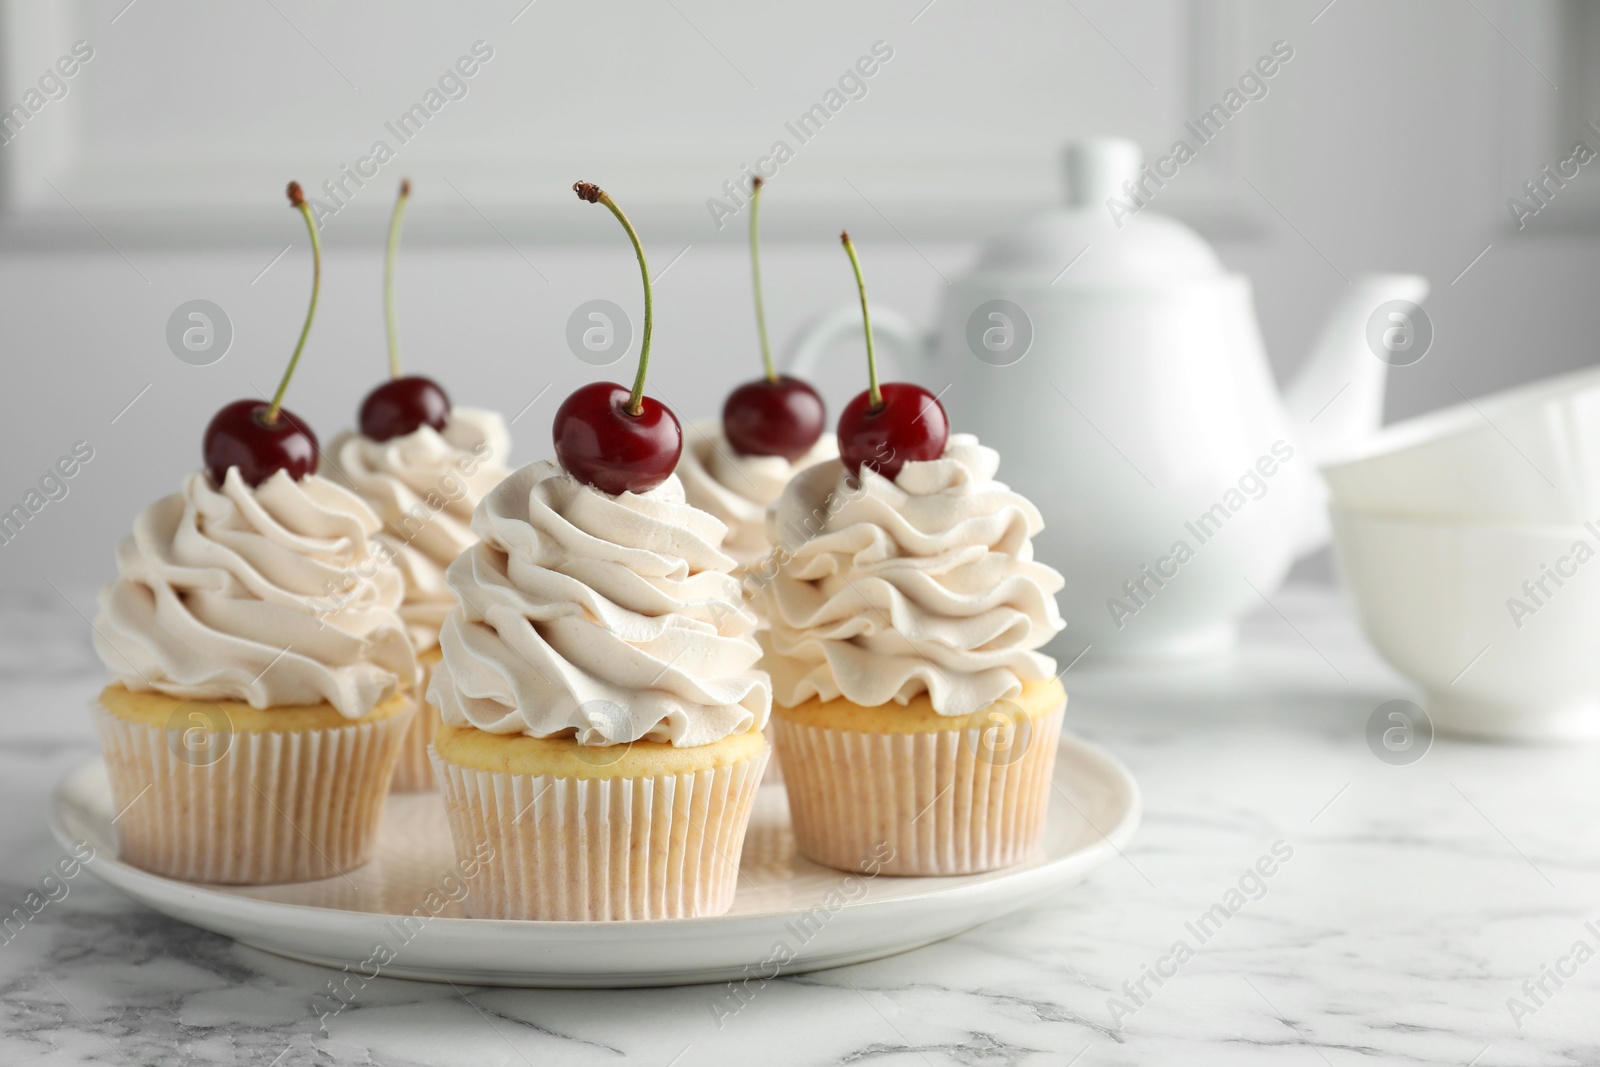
{"x":1415,"y":902}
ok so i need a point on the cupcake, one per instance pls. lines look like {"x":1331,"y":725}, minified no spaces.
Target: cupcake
{"x":913,"y":714}
{"x":602,"y":713}
{"x":423,"y":485}
{"x":263,"y":681}
{"x":262,"y":677}
{"x":422,"y":465}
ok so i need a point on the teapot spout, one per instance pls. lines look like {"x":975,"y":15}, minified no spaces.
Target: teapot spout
{"x":1337,"y":400}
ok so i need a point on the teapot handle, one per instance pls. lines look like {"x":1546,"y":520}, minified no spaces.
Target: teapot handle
{"x":913,"y":346}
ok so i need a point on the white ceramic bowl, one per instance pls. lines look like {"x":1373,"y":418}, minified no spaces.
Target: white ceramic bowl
{"x":1499,"y":623}
{"x":1530,"y":454}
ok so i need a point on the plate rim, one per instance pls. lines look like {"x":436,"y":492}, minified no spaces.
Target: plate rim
{"x":216,"y":904}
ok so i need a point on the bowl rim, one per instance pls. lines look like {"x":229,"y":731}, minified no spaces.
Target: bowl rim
{"x":1590,"y":527}
{"x":1456,"y":420}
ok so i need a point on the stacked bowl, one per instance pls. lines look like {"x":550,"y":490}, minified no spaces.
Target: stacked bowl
{"x":1468,"y":539}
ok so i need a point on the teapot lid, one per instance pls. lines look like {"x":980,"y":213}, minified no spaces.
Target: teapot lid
{"x":1103,"y":231}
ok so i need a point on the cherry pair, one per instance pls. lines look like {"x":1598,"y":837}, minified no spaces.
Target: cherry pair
{"x":262,"y":438}
{"x":778,"y":415}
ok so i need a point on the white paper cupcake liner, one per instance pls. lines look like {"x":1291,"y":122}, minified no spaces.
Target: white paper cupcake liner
{"x":274,"y":806}
{"x":937,"y":803}
{"x":413,"y":773}
{"x":774,"y":775}
{"x":584,"y":849}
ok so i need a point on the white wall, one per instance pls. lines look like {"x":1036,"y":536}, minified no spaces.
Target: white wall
{"x":1390,"y":142}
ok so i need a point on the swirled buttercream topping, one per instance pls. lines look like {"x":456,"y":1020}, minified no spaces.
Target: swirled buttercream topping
{"x":424,"y":485}
{"x":273,"y":596}
{"x":737,"y":489}
{"x":604,"y":618}
{"x":926,"y":583}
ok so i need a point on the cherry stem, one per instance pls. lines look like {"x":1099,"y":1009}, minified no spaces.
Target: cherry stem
{"x":755,"y":277}
{"x":873,"y":392}
{"x":391,"y":253}
{"x":596,"y":195}
{"x":297,"y":199}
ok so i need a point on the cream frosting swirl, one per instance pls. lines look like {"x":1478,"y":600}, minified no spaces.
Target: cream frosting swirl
{"x":738,"y":489}
{"x":927,"y":583}
{"x":273,"y":596}
{"x":604,"y":618}
{"x":424,"y":486}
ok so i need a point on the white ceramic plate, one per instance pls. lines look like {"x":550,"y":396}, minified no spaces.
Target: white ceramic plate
{"x":821,"y":917}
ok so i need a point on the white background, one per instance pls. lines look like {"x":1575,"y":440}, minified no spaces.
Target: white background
{"x":1392,"y":141}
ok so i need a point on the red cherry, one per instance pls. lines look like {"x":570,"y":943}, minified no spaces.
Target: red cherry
{"x":887,"y":427}
{"x":776,"y":415}
{"x":773,"y":418}
{"x":262,"y":438}
{"x":400,"y":405}
{"x":910,"y":425}
{"x":619,"y":440}
{"x":239,"y":436}
{"x":600,"y":443}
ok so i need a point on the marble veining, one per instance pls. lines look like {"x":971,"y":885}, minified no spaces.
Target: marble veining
{"x":1418,"y":907}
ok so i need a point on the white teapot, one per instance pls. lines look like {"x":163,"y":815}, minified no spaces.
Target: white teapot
{"x":1119,"y":371}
